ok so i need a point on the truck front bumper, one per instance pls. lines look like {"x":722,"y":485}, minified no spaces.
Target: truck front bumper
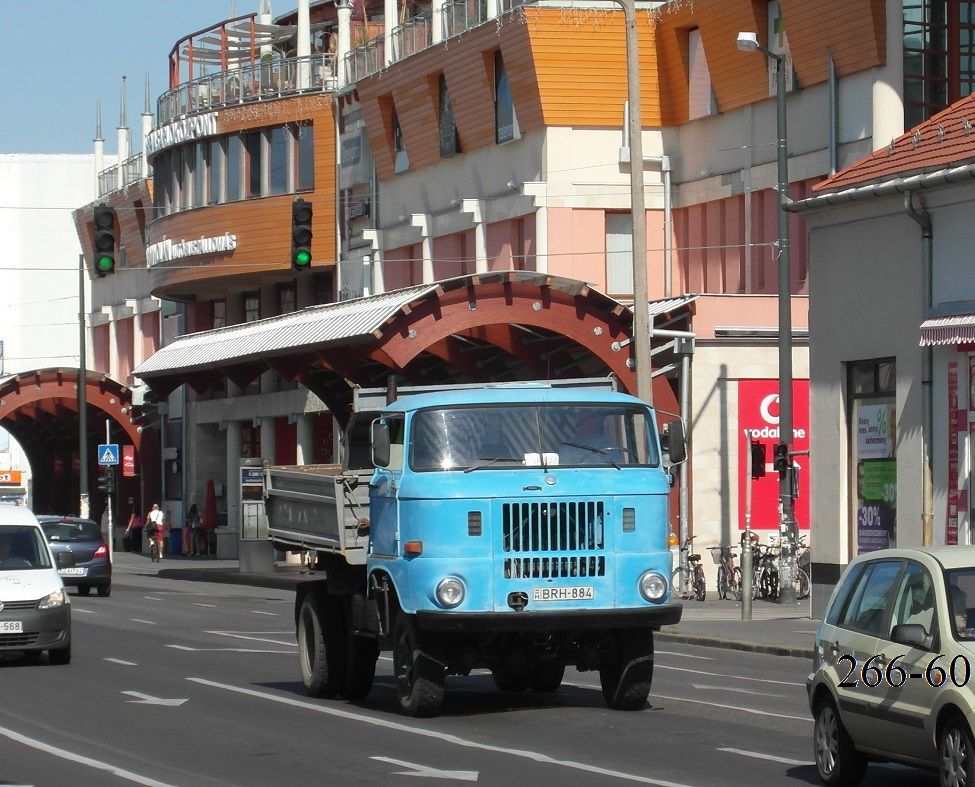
{"x":550,"y":620}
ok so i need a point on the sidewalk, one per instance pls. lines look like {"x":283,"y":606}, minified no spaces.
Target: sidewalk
{"x":775,"y":629}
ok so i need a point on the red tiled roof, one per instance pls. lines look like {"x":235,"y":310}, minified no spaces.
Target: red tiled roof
{"x":946,"y":140}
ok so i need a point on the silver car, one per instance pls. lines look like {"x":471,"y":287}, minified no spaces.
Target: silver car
{"x":892,"y":666}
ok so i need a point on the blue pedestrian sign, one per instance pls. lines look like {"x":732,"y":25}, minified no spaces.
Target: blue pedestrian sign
{"x":108,"y":454}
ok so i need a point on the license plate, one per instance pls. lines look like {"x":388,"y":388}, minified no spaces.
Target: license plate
{"x":11,"y":627}
{"x":72,"y":572}
{"x":579,"y":593}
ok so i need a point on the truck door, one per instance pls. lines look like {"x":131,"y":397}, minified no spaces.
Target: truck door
{"x":383,"y":489}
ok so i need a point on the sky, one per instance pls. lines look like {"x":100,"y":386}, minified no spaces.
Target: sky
{"x":61,"y":57}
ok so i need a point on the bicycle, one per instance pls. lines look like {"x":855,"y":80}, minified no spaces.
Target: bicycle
{"x":154,"y":549}
{"x":803,"y":558}
{"x":729,"y":575}
{"x":688,"y":581}
{"x":766,"y":573}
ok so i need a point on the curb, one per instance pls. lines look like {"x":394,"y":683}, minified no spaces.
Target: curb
{"x":799,"y":652}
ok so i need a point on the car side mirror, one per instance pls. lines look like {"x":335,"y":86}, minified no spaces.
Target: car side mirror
{"x":913,"y":635}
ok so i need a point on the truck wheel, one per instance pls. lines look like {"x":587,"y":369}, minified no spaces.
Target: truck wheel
{"x":419,"y":676}
{"x":547,"y":677}
{"x":626,"y":671}
{"x":322,"y":645}
{"x":360,"y":669}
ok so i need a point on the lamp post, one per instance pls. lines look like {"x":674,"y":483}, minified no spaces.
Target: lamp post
{"x":748,"y":42}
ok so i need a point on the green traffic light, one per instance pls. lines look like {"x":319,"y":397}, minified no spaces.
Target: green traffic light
{"x":302,"y":258}
{"x":105,"y":264}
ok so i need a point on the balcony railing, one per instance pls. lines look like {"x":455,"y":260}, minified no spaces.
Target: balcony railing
{"x":412,"y":36}
{"x":249,"y":83}
{"x":131,"y":172}
{"x":461,"y":15}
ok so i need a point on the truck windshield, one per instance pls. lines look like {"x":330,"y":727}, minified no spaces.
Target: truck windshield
{"x":503,"y":436}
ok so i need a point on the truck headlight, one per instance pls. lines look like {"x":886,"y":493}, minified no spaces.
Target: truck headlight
{"x":653,"y":586}
{"x":450,"y":592}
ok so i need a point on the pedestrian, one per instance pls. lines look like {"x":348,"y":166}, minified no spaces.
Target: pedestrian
{"x":154,"y":527}
{"x":132,"y":537}
{"x":308,"y":560}
{"x":195,"y":532}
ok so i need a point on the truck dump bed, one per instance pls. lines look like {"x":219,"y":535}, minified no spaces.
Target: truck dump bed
{"x":318,"y":507}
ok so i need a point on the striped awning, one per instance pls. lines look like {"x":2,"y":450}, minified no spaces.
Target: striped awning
{"x":950,"y":329}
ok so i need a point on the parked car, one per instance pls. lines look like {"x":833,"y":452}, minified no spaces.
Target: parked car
{"x":35,"y":614}
{"x":83,"y":557}
{"x":892,"y":666}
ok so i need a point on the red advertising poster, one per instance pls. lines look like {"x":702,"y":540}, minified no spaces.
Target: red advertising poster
{"x":128,"y":460}
{"x":758,"y":413}
{"x":954,"y":424}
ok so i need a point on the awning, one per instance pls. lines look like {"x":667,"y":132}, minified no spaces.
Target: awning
{"x":950,"y":323}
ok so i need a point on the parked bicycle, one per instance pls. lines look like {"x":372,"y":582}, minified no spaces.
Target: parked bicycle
{"x":729,"y":575}
{"x":688,"y":581}
{"x":766,"y":582}
{"x":803,"y":559}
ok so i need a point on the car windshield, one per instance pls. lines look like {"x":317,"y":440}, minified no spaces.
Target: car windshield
{"x":22,"y":548}
{"x":71,"y":531}
{"x":586,"y":435}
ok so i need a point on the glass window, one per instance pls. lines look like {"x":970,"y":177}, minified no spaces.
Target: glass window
{"x":201,"y":175}
{"x":252,"y":306}
{"x":961,"y":597}
{"x":867,"y":608}
{"x":449,"y":136}
{"x":279,"y":160}
{"x":843,"y":596}
{"x":233,"y":168}
{"x":505,"y":119}
{"x":402,"y":161}
{"x":286,"y":298}
{"x":914,"y":602}
{"x":218,"y":313}
{"x":305,"y":164}
{"x":23,"y":547}
{"x":254,"y":144}
{"x":701,"y":100}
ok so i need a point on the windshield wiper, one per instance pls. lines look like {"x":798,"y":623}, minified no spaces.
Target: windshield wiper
{"x":488,"y":461}
{"x":600,"y":451}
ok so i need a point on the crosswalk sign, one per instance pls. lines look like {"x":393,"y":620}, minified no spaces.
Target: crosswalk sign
{"x":108,"y":454}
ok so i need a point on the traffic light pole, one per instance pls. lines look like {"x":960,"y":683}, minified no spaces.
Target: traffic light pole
{"x":82,"y":397}
{"x":747,"y":575}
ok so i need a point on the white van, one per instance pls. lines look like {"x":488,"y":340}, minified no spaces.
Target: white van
{"x":35,"y":613}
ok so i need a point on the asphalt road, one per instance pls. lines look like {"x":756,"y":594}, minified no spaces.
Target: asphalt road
{"x":185,"y":683}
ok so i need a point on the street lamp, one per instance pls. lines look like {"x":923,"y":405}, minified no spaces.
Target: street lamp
{"x":748,"y":42}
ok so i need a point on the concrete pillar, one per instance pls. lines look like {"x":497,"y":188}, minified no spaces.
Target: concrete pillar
{"x":305,"y":439}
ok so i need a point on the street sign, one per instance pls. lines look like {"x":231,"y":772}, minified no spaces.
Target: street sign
{"x":108,"y":454}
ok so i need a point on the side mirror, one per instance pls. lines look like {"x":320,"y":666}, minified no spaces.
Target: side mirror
{"x":914,"y":635}
{"x":674,"y":442}
{"x":380,"y":444}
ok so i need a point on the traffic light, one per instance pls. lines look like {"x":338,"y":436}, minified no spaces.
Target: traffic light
{"x":107,"y":482}
{"x":781,"y":461}
{"x":105,"y":240}
{"x":300,"y":234}
{"x":758,"y":460}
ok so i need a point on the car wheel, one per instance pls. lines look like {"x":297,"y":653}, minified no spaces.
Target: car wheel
{"x":957,"y":754}
{"x":104,"y":590}
{"x":837,"y":759}
{"x":84,"y":590}
{"x":60,"y":657}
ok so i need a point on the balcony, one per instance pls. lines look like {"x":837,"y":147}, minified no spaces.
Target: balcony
{"x":268,"y":80}
{"x":118,"y":177}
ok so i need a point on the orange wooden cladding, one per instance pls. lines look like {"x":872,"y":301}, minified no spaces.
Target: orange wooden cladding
{"x":567,"y":67}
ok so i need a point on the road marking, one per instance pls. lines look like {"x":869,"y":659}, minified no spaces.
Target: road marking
{"x":682,"y":655}
{"x":755,"y":711}
{"x":76,"y":609}
{"x":732,"y":677}
{"x":231,"y":650}
{"x":141,"y":620}
{"x":247,"y":635}
{"x":148,"y":699}
{"x":770,"y":757}
{"x":739,"y":691}
{"x":437,"y":735}
{"x":259,"y":612}
{"x":199,"y":604}
{"x":430,"y":773}
{"x":122,"y":662}
{"x":137,"y":778}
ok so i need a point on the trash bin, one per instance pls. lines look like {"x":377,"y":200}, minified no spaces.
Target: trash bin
{"x":175,"y":542}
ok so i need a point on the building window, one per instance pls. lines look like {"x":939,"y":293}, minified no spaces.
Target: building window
{"x":305,"y":163}
{"x":216,"y":172}
{"x":619,"y":254}
{"x":401,"y":162}
{"x":254,"y":147}
{"x":252,"y":306}
{"x":701,"y":100}
{"x":505,"y":120}
{"x":286,"y":298}
{"x":218,"y":313}
{"x":279,"y":160}
{"x":201,"y":167}
{"x":871,"y":395}
{"x":233,"y":168}
{"x":939,"y":56}
{"x":449,"y":136}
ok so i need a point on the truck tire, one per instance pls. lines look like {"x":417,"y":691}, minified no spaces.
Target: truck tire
{"x":360,"y":669}
{"x":419,"y":676}
{"x":547,"y":677}
{"x":322,"y":645}
{"x":626,"y":670}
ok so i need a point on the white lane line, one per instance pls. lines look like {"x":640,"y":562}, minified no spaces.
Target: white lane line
{"x":251,"y":638}
{"x":230,"y":650}
{"x":76,"y":610}
{"x":259,"y":612}
{"x":64,"y":754}
{"x":437,"y":735}
{"x":210,"y":606}
{"x":140,"y":620}
{"x":682,"y":655}
{"x":430,"y":773}
{"x":703,"y":686}
{"x":770,"y":757}
{"x":122,"y":662}
{"x":731,"y":677}
{"x":755,"y":711}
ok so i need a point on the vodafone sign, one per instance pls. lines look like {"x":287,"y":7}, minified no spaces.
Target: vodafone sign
{"x":758,"y":414}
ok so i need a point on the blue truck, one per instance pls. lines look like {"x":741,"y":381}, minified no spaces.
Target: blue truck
{"x":519,"y":528}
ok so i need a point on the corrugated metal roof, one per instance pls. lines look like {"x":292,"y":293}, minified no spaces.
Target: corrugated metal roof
{"x":314,"y":326}
{"x":667,"y":305}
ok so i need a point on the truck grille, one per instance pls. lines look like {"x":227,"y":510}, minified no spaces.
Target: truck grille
{"x":553,"y":527}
